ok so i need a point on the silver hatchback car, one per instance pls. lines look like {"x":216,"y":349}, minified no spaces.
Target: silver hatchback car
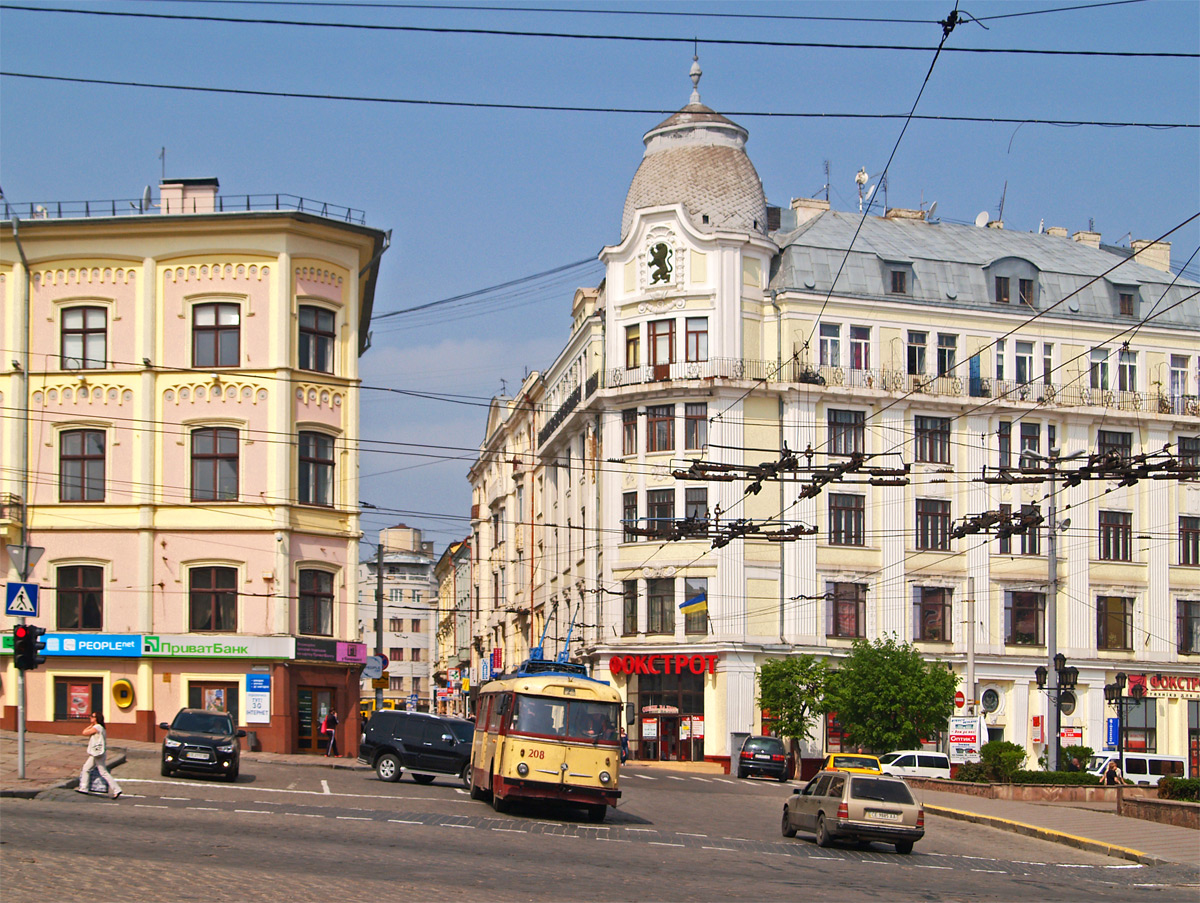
{"x":862,"y":807}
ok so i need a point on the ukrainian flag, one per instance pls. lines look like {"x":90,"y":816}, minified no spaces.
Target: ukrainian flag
{"x":697,"y":603}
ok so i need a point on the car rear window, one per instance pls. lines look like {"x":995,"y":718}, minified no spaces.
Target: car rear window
{"x":764,"y":744}
{"x":880,"y":790}
{"x":855,"y":762}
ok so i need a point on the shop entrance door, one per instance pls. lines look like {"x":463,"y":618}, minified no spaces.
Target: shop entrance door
{"x":312,"y":705}
{"x":668,"y":738}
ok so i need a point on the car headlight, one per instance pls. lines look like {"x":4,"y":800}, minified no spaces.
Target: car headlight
{"x":171,"y":744}
{"x":522,"y":769}
{"x":605,"y":777}
{"x":228,"y":748}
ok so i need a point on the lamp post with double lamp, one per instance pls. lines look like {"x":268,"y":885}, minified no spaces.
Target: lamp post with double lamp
{"x":1115,"y":694}
{"x":1066,"y":678}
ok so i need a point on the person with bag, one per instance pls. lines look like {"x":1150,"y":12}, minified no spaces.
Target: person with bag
{"x":329,"y":728}
{"x":97,"y":749}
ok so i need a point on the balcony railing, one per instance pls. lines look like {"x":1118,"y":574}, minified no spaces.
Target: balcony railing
{"x":12,"y":510}
{"x":235,"y":203}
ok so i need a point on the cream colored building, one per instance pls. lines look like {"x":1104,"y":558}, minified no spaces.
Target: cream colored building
{"x":719,"y":335}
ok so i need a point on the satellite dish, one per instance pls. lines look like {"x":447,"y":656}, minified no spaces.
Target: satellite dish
{"x":870,"y":192}
{"x":982,"y":219}
{"x":930,"y":212}
{"x":146,"y":199}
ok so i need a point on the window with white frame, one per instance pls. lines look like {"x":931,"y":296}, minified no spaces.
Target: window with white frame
{"x":831,"y":345}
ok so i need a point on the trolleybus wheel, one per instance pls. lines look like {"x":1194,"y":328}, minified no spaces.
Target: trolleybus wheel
{"x":477,"y":792}
{"x":499,"y":803}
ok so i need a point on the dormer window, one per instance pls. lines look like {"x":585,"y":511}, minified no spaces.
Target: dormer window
{"x":1025,"y":286}
{"x":1002,"y":289}
{"x":1013,"y":279}
{"x":899,"y":282}
{"x":1127,"y":299}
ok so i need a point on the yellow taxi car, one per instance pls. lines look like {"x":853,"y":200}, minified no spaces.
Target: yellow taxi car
{"x":852,"y":762}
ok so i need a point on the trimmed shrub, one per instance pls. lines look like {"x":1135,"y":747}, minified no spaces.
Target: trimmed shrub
{"x":1082,"y":753}
{"x":1065,"y":778}
{"x":1002,"y":759}
{"x":1187,"y":789}
{"x":973,"y":773}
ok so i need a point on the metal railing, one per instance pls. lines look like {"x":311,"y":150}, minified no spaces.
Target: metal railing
{"x":236,"y":203}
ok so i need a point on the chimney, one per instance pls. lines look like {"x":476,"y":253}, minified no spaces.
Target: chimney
{"x":808,"y":209}
{"x":1057,"y":231}
{"x":901,"y":213}
{"x":1155,"y":254}
{"x":995,"y":224}
{"x":188,"y":195}
{"x":1091,"y":239}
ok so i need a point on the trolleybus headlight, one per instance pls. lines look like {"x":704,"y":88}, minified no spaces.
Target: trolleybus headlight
{"x":605,"y":777}
{"x":522,"y":769}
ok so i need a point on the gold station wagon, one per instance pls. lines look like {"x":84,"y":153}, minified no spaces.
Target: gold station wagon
{"x":837,"y":805}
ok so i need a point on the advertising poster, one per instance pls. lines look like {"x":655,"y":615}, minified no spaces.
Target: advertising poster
{"x":697,"y":727}
{"x":78,"y":698}
{"x":965,"y":733}
{"x":685,"y":728}
{"x":649,"y":728}
{"x":214,"y":699}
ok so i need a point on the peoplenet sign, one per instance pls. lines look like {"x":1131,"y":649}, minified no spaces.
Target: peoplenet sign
{"x":184,"y":646}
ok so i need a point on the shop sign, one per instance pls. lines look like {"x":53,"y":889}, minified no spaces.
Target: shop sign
{"x":192,"y":646}
{"x":497,"y":660}
{"x":649,"y":728}
{"x":965,"y":734}
{"x":257,"y":709}
{"x":310,"y":649}
{"x":452,"y":674}
{"x":697,"y":727}
{"x":662,"y":664}
{"x":1071,"y":736}
{"x":1038,"y":736}
{"x":106,"y":644}
{"x":1186,"y":687}
{"x":659,"y":710}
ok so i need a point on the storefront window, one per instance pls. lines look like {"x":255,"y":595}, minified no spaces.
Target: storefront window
{"x":669,"y":722}
{"x":214,"y":697}
{"x":77,"y":697}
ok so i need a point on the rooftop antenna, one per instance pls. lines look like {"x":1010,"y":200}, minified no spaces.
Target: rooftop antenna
{"x":503,"y":387}
{"x":162,"y":155}
{"x":1003,"y":195}
{"x":826,"y":181}
{"x":146,"y":199}
{"x":884,"y":183}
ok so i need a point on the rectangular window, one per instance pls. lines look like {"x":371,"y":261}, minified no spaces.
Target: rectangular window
{"x":316,"y":339}
{"x":916,"y":352}
{"x":1006,"y":540}
{"x":1189,"y":541}
{"x":931,"y":614}
{"x":1000,"y":352}
{"x":81,"y":466}
{"x":899,"y":282}
{"x":846,"y":614}
{"x":847,"y":432}
{"x":947,"y":354}
{"x":1189,"y":451}
{"x":1025,"y":287}
{"x":216,"y":335}
{"x":1004,"y":444}
{"x":1141,"y":729}
{"x":660,"y":428}
{"x":416,"y":622}
{"x":316,"y":469}
{"x":1024,"y":363}
{"x":932,"y":439}
{"x":396,"y":654}
{"x":416,"y":654}
{"x":860,"y":347}
{"x":396,"y":625}
{"x":1116,"y":536}
{"x":1127,"y":371}
{"x":84,"y":338}
{"x":1125,"y":300}
{"x":1114,"y":442}
{"x":1114,"y":623}
{"x":1099,"y":369}
{"x":660,"y":510}
{"x":395,"y":595}
{"x":696,"y":339}
{"x":1187,"y":617}
{"x":79,"y":597}
{"x":629,"y":607}
{"x":214,"y":465}
{"x":396,"y":684}
{"x":1002,"y":290}
{"x":695,"y":622}
{"x":847,"y":516}
{"x":1178,"y":382}
{"x":629,"y":514}
{"x":629,"y":432}
{"x":933,"y":524}
{"x":1047,"y":363}
{"x":212,"y":593}
{"x":1024,"y":618}
{"x":831,"y":345}
{"x":1031,"y":441}
{"x":633,"y":347}
{"x":695,"y":504}
{"x":75,"y":698}
{"x":316,"y":603}
{"x":416,"y":686}
{"x":660,"y":594}
{"x":662,"y":347}
{"x":1031,"y":538}
{"x":695,"y":426}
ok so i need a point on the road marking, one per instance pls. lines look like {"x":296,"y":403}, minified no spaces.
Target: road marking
{"x":353,"y":818}
{"x":401,"y":821}
{"x":460,"y":790}
{"x":672,"y":777}
{"x":642,"y":830}
{"x":180,"y":799}
{"x":518,"y":831}
{"x":644,"y":777}
{"x":836,"y":859}
{"x":261,"y":802}
{"x":325,"y":787}
{"x":944,"y":868}
{"x":148,"y":806}
{"x":254,"y":811}
{"x":661,"y":843}
{"x":722,"y":849}
{"x":207,"y":808}
{"x":1073,"y":865}
{"x":304,"y":814}
{"x":724,"y":781}
{"x":989,"y":871}
{"x":248,"y":789}
{"x":686,"y":834}
{"x":293,"y":784}
{"x":1133,"y":866}
{"x":703,"y":780}
{"x":612,"y":840}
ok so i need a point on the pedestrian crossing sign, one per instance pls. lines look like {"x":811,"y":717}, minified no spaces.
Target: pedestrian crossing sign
{"x":21,"y":600}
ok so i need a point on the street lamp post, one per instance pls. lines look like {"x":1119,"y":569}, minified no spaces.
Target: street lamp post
{"x":1115,"y":694}
{"x":1065,"y":679}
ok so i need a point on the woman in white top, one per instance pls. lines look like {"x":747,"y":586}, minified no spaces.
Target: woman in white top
{"x":97,"y":751}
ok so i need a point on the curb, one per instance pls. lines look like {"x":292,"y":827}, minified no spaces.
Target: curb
{"x":28,"y":793}
{"x":1082,"y":843}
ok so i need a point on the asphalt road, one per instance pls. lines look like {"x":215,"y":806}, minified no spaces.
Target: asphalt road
{"x":301,"y":833}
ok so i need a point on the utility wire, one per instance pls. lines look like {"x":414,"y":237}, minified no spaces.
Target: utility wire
{"x":556,"y":108}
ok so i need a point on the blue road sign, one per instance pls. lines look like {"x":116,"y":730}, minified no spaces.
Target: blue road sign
{"x":1110,"y":738}
{"x":21,"y":600}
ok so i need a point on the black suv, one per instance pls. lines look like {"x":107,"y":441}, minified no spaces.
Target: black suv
{"x":426,"y":745}
{"x":198,"y":740}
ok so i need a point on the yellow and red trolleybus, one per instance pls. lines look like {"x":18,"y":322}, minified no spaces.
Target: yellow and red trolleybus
{"x":547,"y":732}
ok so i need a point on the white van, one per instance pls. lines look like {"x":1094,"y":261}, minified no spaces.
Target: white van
{"x":916,"y":763}
{"x":1140,"y":768}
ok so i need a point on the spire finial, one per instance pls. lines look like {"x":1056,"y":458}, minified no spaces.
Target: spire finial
{"x":695,"y":74}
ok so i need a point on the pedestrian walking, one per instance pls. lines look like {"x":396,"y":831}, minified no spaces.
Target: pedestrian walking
{"x":624,"y":747}
{"x":329,"y":727}
{"x":97,"y":749}
{"x":1112,"y":775}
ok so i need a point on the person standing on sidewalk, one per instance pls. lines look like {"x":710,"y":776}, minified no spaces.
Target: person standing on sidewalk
{"x":97,"y":749}
{"x":330,"y":727}
{"x":1112,"y":775}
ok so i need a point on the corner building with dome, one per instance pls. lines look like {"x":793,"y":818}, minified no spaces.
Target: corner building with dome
{"x":718,"y":336}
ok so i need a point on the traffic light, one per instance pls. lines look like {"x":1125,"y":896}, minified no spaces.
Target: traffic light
{"x":27,"y":643}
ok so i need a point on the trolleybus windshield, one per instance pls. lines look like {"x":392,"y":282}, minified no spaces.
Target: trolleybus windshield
{"x":571,"y":719}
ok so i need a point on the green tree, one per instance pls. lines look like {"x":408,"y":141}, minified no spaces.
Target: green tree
{"x":888,"y":697}
{"x":792,"y":689}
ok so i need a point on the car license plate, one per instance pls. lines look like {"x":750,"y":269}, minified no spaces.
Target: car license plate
{"x":883,"y":816}
{"x":762,"y":756}
{"x":198,"y":755}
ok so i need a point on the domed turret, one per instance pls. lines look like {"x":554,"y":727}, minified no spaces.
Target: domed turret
{"x":698,"y":158}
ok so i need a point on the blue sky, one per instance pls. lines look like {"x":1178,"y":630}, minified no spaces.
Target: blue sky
{"x":477,"y":197}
